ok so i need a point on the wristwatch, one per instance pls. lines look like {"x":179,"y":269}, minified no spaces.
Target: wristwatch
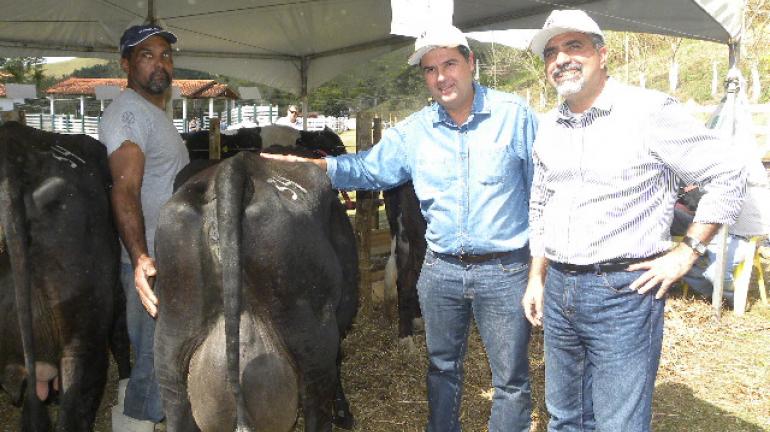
{"x":694,"y":244}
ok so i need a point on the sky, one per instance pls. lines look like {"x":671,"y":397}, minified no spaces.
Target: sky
{"x":57,"y":59}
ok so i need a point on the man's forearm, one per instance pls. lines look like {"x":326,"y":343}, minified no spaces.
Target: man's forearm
{"x":127,"y":209}
{"x":537,"y":268}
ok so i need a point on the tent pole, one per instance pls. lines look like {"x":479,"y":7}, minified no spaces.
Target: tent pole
{"x":303,"y":90}
{"x":732,"y":87}
{"x":151,"y":19}
{"x":734,"y":50}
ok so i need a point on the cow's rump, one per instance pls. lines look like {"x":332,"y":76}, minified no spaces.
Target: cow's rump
{"x":58,"y":270}
{"x":275,"y":240}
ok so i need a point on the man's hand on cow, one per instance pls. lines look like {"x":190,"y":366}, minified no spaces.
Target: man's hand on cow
{"x":321,"y":163}
{"x":663,"y":271}
{"x":533,"y":301}
{"x":144,"y":269}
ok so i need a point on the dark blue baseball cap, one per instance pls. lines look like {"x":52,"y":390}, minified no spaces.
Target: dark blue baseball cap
{"x":135,"y":35}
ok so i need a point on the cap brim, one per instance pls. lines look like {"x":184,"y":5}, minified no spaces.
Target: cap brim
{"x":415,"y":58}
{"x":541,"y":38}
{"x":167,"y":35}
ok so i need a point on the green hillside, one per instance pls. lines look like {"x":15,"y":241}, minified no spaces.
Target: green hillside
{"x":65,"y":68}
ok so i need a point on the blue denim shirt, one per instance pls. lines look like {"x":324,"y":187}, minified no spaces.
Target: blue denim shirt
{"x":472,"y":180}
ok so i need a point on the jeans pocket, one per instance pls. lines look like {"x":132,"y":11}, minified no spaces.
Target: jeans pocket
{"x":513,"y":266}
{"x":619,"y":281}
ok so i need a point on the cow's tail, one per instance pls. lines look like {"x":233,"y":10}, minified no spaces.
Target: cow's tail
{"x":13,"y":216}
{"x":231,"y":184}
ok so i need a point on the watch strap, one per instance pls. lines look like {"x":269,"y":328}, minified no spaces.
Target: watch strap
{"x":694,"y":244}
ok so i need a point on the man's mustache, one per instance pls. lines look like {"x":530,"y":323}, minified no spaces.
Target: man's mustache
{"x":567,"y":67}
{"x":160,"y":74}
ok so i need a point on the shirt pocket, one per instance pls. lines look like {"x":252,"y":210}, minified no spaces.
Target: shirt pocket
{"x":494,"y":165}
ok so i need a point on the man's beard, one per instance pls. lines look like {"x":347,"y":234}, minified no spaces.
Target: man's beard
{"x":570,"y":86}
{"x":158,"y":83}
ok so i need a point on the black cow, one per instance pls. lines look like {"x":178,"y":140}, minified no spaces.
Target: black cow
{"x":58,"y":269}
{"x":407,"y":232}
{"x":257,"y":284}
{"x":305,"y":143}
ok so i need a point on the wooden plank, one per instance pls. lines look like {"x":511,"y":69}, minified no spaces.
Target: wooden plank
{"x":363,"y":212}
{"x":215,"y":149}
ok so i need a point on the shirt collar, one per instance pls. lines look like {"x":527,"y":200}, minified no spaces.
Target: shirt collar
{"x":480,"y":106}
{"x":601,"y":107}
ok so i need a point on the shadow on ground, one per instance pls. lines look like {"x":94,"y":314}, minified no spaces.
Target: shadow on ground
{"x":699,"y":415}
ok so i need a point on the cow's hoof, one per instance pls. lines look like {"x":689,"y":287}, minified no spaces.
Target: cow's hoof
{"x":344,"y":420}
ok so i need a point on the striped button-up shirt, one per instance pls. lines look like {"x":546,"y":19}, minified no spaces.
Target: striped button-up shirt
{"x":605,"y":181}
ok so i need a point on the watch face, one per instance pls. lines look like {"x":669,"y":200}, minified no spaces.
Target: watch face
{"x":697,"y":246}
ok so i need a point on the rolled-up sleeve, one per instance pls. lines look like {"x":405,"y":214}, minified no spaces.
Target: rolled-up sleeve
{"x":537,"y":201}
{"x":697,"y":155}
{"x":384,"y":166}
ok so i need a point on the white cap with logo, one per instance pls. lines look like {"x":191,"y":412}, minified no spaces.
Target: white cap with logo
{"x":447,"y":36}
{"x":563,"y":21}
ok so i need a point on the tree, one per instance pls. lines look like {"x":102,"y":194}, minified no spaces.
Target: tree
{"x":24,"y":70}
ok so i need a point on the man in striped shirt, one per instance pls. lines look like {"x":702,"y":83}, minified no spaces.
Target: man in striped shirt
{"x":607,"y":162}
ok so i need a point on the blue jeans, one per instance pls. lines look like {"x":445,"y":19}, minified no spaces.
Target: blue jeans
{"x":450,"y":293}
{"x":602,"y":349}
{"x":142,"y":400}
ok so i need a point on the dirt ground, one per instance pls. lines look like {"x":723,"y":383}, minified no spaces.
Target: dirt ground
{"x":714,"y":376}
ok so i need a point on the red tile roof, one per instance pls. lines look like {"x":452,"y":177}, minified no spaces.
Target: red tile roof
{"x":191,"y":89}
{"x":2,"y":90}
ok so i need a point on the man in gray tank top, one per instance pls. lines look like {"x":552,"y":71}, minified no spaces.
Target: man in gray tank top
{"x":146,"y":152}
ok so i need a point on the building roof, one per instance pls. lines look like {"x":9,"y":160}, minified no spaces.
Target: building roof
{"x":2,"y":90}
{"x":191,"y":89}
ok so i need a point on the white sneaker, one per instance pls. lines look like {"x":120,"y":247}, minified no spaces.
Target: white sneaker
{"x":122,"y":391}
{"x":124,"y":423}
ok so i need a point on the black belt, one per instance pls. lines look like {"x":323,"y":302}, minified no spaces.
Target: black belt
{"x":617,"y":265}
{"x":475,"y":259}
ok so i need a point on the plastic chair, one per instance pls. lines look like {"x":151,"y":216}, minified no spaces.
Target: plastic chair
{"x":742,"y":277}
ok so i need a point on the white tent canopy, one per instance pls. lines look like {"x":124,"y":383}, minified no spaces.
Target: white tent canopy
{"x":297,"y":45}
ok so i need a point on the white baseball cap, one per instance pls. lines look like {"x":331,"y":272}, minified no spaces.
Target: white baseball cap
{"x":563,"y":21}
{"x":438,"y":37}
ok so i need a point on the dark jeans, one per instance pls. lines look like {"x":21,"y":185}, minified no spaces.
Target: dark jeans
{"x":142,"y":400}
{"x":602,"y":348}
{"x":451,"y":292}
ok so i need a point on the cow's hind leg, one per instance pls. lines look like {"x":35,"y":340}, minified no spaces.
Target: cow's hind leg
{"x":172,"y":380}
{"x":83,"y":378}
{"x":342,"y":417}
{"x":34,"y":415}
{"x":318,"y":375}
{"x":119,"y":343}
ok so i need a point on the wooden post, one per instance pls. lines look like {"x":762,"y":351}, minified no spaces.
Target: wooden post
{"x":215,"y":150}
{"x":376,"y":135}
{"x":364,"y":214}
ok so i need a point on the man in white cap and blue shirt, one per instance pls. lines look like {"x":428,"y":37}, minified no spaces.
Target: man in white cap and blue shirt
{"x":468,"y":155}
{"x":145,"y":154}
{"x":607,"y":164}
